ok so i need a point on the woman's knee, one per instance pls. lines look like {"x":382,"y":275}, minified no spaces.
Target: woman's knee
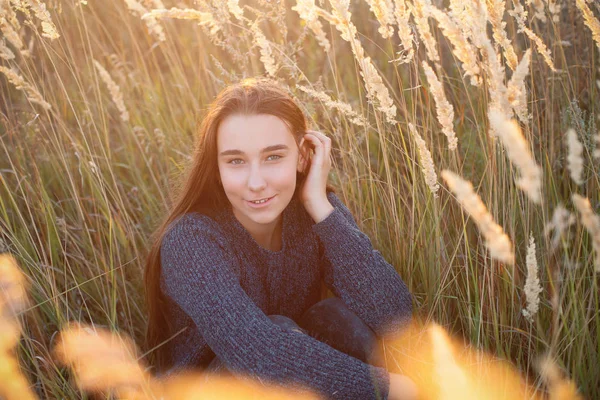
{"x":285,"y":322}
{"x":332,"y":322}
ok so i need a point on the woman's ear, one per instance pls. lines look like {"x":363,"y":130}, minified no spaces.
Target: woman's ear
{"x":303,"y":156}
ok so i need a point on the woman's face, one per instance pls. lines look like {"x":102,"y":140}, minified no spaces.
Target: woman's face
{"x":257,"y":158}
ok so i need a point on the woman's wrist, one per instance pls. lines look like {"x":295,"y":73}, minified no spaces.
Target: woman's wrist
{"x":319,"y":210}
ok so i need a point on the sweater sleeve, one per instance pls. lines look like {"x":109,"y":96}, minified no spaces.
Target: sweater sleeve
{"x":199,"y":276}
{"x":359,"y":275}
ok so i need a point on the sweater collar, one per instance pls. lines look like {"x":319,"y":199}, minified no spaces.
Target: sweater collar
{"x":234,"y":227}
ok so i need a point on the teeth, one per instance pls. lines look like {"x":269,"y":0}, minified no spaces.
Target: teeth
{"x":259,"y":202}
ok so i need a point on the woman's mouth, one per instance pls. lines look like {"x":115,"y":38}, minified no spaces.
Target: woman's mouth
{"x":262,"y":203}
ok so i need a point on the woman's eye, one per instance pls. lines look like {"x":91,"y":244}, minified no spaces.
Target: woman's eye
{"x":239,"y":159}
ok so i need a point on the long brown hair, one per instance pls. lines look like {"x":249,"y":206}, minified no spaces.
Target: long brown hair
{"x":202,"y":191}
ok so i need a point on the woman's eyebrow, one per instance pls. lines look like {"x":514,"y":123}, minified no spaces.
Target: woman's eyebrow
{"x":265,"y":150}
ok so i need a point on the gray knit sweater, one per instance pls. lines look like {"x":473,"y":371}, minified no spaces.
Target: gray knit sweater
{"x":220,"y":285}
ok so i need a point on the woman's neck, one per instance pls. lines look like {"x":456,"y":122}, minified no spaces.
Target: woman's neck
{"x":268,"y":237}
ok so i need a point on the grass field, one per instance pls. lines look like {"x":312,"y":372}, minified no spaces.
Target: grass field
{"x":465,"y":138}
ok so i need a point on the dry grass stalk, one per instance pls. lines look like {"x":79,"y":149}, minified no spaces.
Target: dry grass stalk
{"x":203,"y":18}
{"x":266,"y":53}
{"x":497,"y":242}
{"x":445,"y":111}
{"x":575,"y":157}
{"x":13,"y":296}
{"x":446,"y":368}
{"x":541,"y":47}
{"x":591,"y":221}
{"x":519,"y":15}
{"x":377,"y":92}
{"x":376,"y":89}
{"x":8,"y":10}
{"x":561,"y":220}
{"x":384,"y":12}
{"x":42,"y":14}
{"x":405,"y":33}
{"x":153,"y":4}
{"x":463,"y":49}
{"x":596,"y":152}
{"x":115,"y":91}
{"x":461,"y":13}
{"x":519,"y":154}
{"x":235,"y":9}
{"x":192,"y":386}
{"x":426,"y":160}
{"x":9,"y":24}
{"x":591,"y":21}
{"x":498,"y":93}
{"x":452,"y":378}
{"x":308,"y":12}
{"x":31,"y":92}
{"x":152,"y":24}
{"x":344,"y":108}
{"x":560,"y":388}
{"x":532,"y":287}
{"x":103,"y":362}
{"x":418,"y":9}
{"x":554,"y":6}
{"x":340,"y":17}
{"x":516,"y":91}
{"x":13,"y":300}
{"x":539,"y":9}
{"x":5,"y":52}
{"x":495,"y":10}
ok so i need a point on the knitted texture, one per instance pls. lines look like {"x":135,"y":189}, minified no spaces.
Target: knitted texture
{"x":220,"y":285}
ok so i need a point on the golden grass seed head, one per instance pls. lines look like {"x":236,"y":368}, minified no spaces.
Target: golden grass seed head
{"x":462,"y":48}
{"x":562,"y":219}
{"x":418,"y":9}
{"x":575,"y":156}
{"x":591,"y":221}
{"x":426,"y":160}
{"x":405,"y":33}
{"x":384,"y":12}
{"x":497,"y":242}
{"x":115,"y":91}
{"x":308,"y":12}
{"x":344,"y":108}
{"x":31,"y":92}
{"x":445,"y":111}
{"x":532,"y":287}
{"x":495,"y":10}
{"x":266,"y":53}
{"x":590,"y":20}
{"x":101,"y":361}
{"x":517,"y":150}
{"x":516,"y":90}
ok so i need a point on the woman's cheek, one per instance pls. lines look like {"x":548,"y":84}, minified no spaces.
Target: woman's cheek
{"x":233,"y":179}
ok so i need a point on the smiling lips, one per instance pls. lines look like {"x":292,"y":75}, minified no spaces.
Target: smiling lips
{"x":260,"y":204}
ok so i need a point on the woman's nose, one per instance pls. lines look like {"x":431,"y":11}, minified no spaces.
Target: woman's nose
{"x":256,"y":181}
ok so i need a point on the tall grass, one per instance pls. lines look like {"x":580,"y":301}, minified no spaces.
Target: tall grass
{"x":99,"y":105}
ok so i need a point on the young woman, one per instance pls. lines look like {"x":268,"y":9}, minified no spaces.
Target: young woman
{"x":234,"y":275}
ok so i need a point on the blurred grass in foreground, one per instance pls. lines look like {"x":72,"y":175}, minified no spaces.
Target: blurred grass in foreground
{"x":99,"y":102}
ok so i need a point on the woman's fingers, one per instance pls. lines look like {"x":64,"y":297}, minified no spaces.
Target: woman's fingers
{"x":324,"y":138}
{"x":318,"y":147}
{"x":322,"y":146}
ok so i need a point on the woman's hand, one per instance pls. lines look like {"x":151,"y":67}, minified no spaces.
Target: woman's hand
{"x":402,"y":388}
{"x":313,"y":195}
